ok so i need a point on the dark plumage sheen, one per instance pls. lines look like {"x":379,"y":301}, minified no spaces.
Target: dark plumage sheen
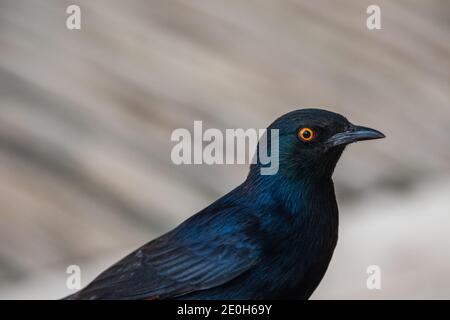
{"x":270,"y":238}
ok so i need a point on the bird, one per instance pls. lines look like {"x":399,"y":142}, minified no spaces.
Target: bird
{"x":272,"y":237}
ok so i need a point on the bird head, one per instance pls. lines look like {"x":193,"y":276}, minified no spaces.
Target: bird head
{"x":311,"y":141}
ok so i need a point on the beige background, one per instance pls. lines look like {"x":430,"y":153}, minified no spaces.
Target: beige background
{"x":86,"y":118}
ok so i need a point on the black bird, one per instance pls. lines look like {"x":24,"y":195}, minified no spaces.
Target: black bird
{"x":272,"y":237}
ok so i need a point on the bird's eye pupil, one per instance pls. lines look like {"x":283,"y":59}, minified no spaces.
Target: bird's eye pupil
{"x":306,"y":134}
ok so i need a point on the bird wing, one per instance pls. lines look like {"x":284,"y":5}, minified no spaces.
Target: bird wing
{"x":174,"y":265}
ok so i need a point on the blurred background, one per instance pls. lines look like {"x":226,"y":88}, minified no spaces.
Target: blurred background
{"x":86,"y":118}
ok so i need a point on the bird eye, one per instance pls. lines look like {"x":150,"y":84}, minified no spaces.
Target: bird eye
{"x":306,"y":134}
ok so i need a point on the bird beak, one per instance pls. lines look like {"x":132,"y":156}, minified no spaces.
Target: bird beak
{"x":354,"y":134}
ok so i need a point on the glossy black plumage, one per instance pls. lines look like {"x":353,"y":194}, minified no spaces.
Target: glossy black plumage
{"x":270,"y":238}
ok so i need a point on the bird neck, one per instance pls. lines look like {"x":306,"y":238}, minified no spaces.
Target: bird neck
{"x":290,"y":195}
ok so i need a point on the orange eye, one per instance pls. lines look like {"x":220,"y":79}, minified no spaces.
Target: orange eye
{"x":306,"y":134}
